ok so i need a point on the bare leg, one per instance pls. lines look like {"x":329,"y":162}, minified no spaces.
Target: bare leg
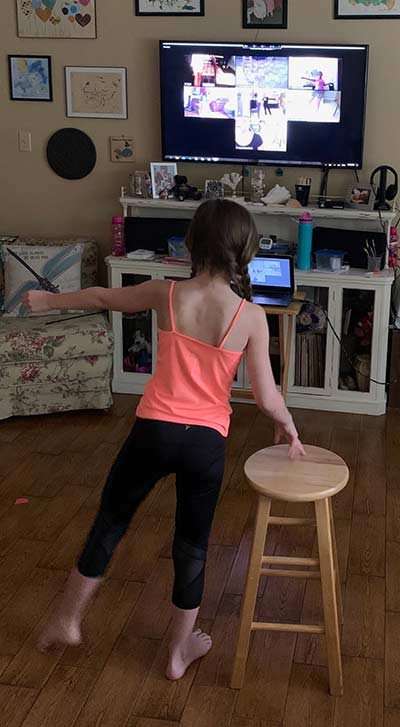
{"x":64,"y":626}
{"x":186,"y":645}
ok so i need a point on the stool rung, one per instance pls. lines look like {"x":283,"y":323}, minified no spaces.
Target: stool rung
{"x":277,"y":573}
{"x":290,"y":628}
{"x":280,"y":560}
{"x":291,"y":521}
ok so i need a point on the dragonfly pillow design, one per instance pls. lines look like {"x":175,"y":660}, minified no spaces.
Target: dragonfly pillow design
{"x":36,"y":267}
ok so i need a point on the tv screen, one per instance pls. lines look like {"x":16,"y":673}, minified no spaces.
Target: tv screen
{"x":298,"y":105}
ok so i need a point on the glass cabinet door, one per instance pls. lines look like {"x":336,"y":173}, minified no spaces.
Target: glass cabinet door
{"x":137,"y":335}
{"x":312,"y":347}
{"x":357,"y":329}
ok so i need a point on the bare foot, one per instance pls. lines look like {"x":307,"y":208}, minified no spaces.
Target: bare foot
{"x":198,"y":645}
{"x":59,"y":632}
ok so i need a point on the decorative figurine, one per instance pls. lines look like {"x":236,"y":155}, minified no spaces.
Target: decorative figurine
{"x":232,"y":181}
{"x":182,"y":190}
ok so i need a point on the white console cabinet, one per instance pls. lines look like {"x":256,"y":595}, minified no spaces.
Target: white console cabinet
{"x":320,"y":375}
{"x":319,"y":354}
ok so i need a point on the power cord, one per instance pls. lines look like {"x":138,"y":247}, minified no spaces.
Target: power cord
{"x":346,"y":353}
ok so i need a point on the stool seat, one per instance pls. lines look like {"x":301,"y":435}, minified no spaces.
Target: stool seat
{"x":317,"y":476}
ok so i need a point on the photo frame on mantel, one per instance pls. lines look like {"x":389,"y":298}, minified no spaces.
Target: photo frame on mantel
{"x":170,"y":7}
{"x":367,"y":9}
{"x":265,"y":14}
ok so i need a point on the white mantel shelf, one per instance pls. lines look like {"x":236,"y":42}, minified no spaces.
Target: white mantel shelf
{"x":256,"y":209}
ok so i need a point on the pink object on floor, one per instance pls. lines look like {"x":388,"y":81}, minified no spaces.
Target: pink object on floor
{"x":21,"y":501}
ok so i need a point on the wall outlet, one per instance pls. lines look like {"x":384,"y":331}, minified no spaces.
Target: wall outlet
{"x":24,"y":140}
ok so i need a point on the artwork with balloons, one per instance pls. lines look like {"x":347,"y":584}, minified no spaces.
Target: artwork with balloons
{"x":265,"y":13}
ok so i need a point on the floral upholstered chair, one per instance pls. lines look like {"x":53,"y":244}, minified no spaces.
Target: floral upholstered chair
{"x":49,"y":364}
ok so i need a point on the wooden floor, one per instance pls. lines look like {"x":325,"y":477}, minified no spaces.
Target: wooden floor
{"x":116,"y":678}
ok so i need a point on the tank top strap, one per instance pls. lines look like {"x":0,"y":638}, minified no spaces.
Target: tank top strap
{"x":232,"y":324}
{"x":171,"y":305}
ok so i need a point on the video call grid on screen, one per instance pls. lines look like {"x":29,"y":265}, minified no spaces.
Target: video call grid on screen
{"x":286,"y":103}
{"x":272,"y":273}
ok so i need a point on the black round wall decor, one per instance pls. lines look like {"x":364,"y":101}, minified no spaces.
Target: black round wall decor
{"x":71,"y":153}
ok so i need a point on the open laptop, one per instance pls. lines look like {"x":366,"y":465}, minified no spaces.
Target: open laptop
{"x":272,"y":279}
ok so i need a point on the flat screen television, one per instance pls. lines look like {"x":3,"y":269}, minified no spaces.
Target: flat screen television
{"x":251,"y":103}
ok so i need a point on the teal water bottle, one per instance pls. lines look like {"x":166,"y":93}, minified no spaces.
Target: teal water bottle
{"x":305,"y":241}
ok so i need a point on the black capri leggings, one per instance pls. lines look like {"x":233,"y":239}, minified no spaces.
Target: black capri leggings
{"x":153,"y":450}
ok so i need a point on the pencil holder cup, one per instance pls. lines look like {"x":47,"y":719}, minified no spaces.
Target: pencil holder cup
{"x":374,"y":263}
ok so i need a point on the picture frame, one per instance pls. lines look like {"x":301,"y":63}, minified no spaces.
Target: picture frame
{"x":162,"y":177}
{"x":264,"y":14}
{"x":360,"y":197}
{"x":214,"y":189}
{"x":96,"y":93}
{"x":56,"y":19}
{"x":366,"y":10}
{"x":30,"y":78}
{"x":180,"y":8}
{"x":122,"y":149}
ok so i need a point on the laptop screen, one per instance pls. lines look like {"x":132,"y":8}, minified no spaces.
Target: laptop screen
{"x":271,"y":272}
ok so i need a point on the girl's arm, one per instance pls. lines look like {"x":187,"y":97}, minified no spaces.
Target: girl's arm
{"x":126,"y":300}
{"x":267,"y":396}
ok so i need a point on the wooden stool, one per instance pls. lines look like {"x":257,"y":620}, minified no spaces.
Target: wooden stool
{"x":314,"y":478}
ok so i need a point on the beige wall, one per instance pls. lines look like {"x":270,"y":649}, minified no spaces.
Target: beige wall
{"x":34,"y":200}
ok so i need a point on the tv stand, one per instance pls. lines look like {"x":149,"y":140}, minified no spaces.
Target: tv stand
{"x":319,"y":375}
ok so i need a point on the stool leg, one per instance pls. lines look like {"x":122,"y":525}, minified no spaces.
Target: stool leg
{"x":328,"y":584}
{"x":336,"y":564}
{"x":250,"y":594}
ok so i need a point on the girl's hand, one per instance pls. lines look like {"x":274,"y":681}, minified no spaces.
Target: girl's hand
{"x":37,"y":301}
{"x":288,"y":432}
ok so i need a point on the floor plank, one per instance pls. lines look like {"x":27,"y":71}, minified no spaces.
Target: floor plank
{"x":370,"y":480}
{"x":231,"y":517}
{"x":266,"y":684}
{"x":64,"y":551}
{"x":216,"y":668}
{"x":362,"y":703}
{"x":23,"y":611}
{"x":15,"y":704}
{"x":364,"y":617}
{"x":151,"y":616}
{"x":148,"y":540}
{"x":392,"y":718}
{"x":111,"y":701}
{"x":367,"y":545}
{"x":103,"y":624}
{"x":62,"y":698}
{"x":160,"y":698}
{"x":146,"y":722}
{"x":393,"y":576}
{"x":209,"y":707}
{"x":219,"y":564}
{"x":16,"y":567}
{"x":393,"y":516}
{"x":392,"y":661}
{"x":309,"y":702}
{"x":346,"y":447}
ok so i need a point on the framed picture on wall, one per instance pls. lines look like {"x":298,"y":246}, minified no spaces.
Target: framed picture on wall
{"x":367,"y":9}
{"x":265,"y":14}
{"x":169,"y":7}
{"x":96,"y":93}
{"x":122,"y":149}
{"x":56,"y":18}
{"x":30,"y":78}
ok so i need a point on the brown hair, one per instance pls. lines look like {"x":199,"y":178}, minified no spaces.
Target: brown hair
{"x":223,"y":238}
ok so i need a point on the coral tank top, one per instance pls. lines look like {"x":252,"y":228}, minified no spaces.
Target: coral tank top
{"x":193,"y":380}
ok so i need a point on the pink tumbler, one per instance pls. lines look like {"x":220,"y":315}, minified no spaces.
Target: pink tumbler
{"x":118,"y":236}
